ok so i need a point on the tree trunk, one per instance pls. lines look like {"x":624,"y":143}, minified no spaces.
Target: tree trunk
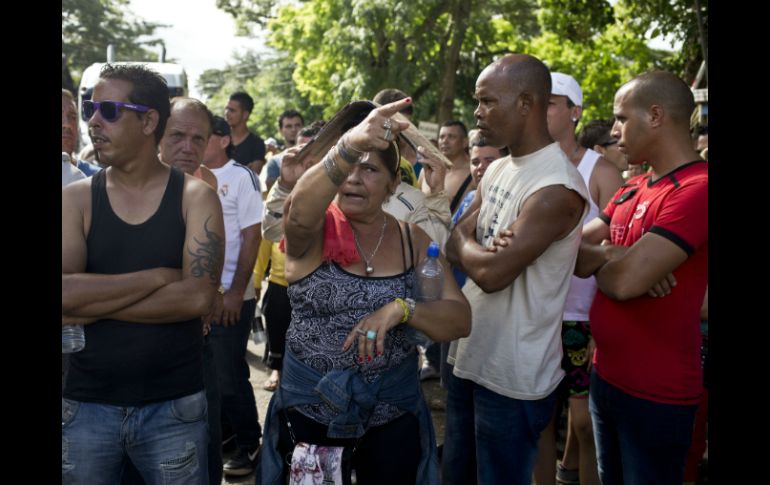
{"x":460,"y":16}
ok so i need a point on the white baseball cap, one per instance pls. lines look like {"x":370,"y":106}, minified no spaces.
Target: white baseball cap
{"x":565,"y":85}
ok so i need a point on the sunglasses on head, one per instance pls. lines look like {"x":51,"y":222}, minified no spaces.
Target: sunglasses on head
{"x":110,"y":110}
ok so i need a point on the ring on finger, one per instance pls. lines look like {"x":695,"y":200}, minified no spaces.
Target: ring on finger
{"x":388,"y":124}
{"x":360,"y":331}
{"x":388,"y":135}
{"x":371,"y":335}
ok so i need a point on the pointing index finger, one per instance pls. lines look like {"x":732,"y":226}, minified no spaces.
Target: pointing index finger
{"x":392,"y":108}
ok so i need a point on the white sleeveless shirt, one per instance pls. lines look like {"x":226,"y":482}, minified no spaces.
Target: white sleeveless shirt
{"x":514,"y":348}
{"x":582,"y":290}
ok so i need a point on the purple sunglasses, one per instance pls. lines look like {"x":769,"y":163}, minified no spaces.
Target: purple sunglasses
{"x":110,"y":110}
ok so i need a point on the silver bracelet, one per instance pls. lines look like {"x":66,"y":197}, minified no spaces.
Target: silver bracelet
{"x":334,"y":173}
{"x":350,"y":155}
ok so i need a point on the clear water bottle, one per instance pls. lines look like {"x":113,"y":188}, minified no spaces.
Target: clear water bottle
{"x":257,"y":327}
{"x":430,"y":282}
{"x":430,"y":276}
{"x":73,"y":339}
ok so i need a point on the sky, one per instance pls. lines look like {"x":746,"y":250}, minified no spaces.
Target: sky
{"x":200,"y":35}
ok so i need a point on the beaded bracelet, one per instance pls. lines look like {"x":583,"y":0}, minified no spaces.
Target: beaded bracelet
{"x":406,"y":316}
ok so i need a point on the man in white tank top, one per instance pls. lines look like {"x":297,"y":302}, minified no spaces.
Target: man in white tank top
{"x":517,"y":244}
{"x":602,"y":179}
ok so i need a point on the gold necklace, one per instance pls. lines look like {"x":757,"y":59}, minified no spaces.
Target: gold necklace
{"x":368,"y":261}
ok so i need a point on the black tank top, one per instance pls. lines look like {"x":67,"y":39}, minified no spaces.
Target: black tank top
{"x":132,"y":364}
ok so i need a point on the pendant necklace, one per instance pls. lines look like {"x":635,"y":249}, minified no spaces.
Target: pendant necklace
{"x":368,"y":261}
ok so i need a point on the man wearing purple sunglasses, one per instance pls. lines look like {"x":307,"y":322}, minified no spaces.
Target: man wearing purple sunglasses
{"x":142,"y":252}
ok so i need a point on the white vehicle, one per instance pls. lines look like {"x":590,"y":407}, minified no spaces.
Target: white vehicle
{"x":175,"y":76}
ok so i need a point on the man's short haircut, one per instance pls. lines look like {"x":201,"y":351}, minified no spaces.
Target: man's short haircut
{"x":312,"y":130}
{"x":243,"y":98}
{"x":220,"y":127}
{"x":455,"y":123}
{"x":664,"y":89}
{"x":147,"y":88}
{"x":181,"y":102}
{"x":528,"y":74}
{"x":596,"y":132}
{"x":289,"y":113}
{"x":66,"y":93}
{"x":390,"y":95}
{"x":477,"y":140}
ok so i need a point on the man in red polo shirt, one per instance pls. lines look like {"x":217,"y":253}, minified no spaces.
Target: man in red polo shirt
{"x":649,"y":252}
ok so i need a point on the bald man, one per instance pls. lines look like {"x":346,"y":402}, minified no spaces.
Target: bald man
{"x":518,"y":246}
{"x":652,"y":277}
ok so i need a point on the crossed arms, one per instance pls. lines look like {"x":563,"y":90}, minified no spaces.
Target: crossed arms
{"x":157,"y":295}
{"x":548,"y":215}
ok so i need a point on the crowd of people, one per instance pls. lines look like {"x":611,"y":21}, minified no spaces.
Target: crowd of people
{"x":575,"y":276}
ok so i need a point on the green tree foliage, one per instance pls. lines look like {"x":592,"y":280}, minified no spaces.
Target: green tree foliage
{"x":66,"y":77}
{"x":601,"y":65}
{"x":249,"y":13}
{"x":334,"y":51}
{"x":347,"y":49}
{"x":575,"y":20}
{"x":88,"y":26}
{"x":268,"y":80}
{"x":676,"y":18}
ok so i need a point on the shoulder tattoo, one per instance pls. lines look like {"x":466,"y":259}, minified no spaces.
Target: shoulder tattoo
{"x":208,"y":255}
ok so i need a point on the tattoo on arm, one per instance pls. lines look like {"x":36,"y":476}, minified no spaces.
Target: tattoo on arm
{"x":208,"y":256}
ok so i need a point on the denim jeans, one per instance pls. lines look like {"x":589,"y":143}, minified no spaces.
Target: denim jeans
{"x":638,"y":441}
{"x":490,"y":438}
{"x":130,"y":474}
{"x":166,"y":441}
{"x":239,"y":408}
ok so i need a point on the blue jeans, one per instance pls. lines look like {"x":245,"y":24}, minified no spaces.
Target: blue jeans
{"x":165,"y":441}
{"x":490,"y":438}
{"x":130,"y":474}
{"x":239,"y":408}
{"x":638,"y":441}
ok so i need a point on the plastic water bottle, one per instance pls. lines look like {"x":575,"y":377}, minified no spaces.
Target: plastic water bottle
{"x":430,"y":282}
{"x":257,"y":328}
{"x":430,"y":276}
{"x":73,"y":339}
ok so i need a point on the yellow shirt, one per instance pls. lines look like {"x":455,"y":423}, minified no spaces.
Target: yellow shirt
{"x":277,"y":266}
{"x":406,"y":172}
{"x":263,"y":256}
